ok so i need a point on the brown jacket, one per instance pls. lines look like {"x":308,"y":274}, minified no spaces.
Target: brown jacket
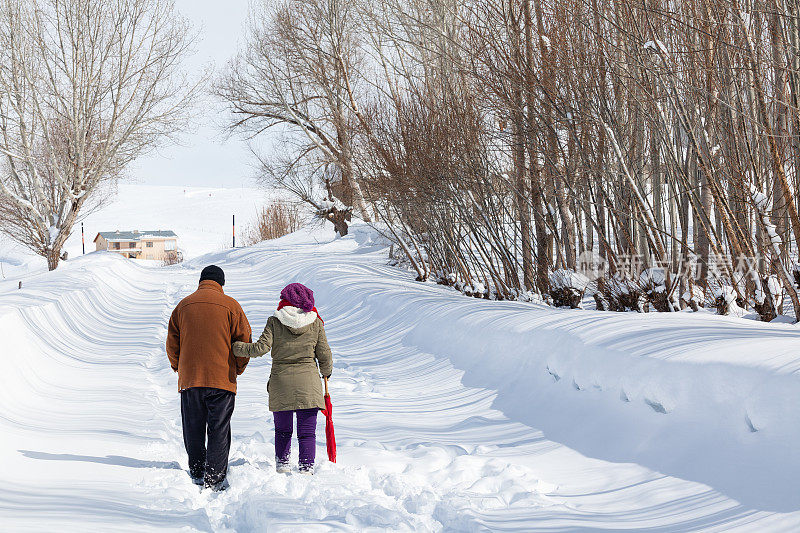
{"x":201,"y":330}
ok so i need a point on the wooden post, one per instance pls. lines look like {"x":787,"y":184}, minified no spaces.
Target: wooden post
{"x":234,"y":231}
{"x":20,"y":284}
{"x":83,"y":240}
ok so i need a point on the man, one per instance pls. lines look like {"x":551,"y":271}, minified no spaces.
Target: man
{"x":201,"y":330}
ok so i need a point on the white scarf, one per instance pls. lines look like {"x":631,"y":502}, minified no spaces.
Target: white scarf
{"x":294,"y":317}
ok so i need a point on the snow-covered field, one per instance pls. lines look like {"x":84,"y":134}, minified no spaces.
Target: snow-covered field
{"x":451,"y":413}
{"x":200,"y":216}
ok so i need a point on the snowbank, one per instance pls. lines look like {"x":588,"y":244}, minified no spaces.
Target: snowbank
{"x":690,"y":395}
{"x":452,"y":413}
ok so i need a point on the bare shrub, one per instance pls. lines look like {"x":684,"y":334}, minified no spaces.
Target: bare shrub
{"x":622,"y":294}
{"x":567,"y":288}
{"x":273,"y":220}
{"x":726,"y":301}
{"x":694,"y":297}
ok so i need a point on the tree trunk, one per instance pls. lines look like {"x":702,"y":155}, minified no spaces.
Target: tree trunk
{"x":763,"y":116}
{"x":780,"y":114}
{"x":543,"y":248}
{"x":53,"y":256}
{"x":521,"y":193}
{"x":552,"y":174}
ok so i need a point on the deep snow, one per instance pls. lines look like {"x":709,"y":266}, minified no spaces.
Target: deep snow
{"x":451,"y":413}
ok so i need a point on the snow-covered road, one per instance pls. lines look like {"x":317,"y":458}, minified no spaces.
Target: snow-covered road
{"x":451,"y":413}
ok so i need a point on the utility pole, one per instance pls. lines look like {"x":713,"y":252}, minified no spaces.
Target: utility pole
{"x":83,"y":240}
{"x":234,"y":231}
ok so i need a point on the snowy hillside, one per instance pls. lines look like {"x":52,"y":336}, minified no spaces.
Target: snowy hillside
{"x":451,"y":413}
{"x":201,"y":217}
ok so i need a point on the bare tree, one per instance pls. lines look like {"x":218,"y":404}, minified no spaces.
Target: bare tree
{"x":86,"y":86}
{"x":299,"y":70}
{"x":501,"y":140}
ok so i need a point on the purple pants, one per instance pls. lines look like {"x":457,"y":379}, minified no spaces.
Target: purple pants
{"x":306,"y":434}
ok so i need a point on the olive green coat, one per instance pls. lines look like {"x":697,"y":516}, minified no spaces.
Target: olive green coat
{"x":294,"y":382}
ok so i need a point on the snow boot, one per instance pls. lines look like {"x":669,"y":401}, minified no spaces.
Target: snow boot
{"x":219,"y":486}
{"x":282,"y":467}
{"x":307,"y":469}
{"x":198,"y":480}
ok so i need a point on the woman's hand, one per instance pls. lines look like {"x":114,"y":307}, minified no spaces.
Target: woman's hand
{"x":238,"y":348}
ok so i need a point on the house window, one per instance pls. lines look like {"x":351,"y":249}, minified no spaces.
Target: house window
{"x":132,"y":245}
{"x":169,"y":245}
{"x":149,"y":244}
{"x":116,"y":246}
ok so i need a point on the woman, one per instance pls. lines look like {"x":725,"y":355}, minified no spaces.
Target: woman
{"x":296,"y":336}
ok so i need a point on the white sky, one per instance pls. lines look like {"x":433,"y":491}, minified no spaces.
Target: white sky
{"x":204,"y":157}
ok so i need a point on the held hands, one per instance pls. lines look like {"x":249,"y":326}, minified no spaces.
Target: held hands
{"x":238,"y":347}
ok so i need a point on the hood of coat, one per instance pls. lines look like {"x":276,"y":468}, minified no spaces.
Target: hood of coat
{"x":294,"y":318}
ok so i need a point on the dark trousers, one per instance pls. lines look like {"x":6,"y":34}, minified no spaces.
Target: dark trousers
{"x":205,"y":410}
{"x":306,"y":434}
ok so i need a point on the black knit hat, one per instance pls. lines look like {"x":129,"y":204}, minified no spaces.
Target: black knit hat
{"x":214,"y":273}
